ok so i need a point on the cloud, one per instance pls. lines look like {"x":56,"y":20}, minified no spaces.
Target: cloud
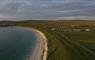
{"x":5,"y":16}
{"x":77,"y":18}
{"x":45,"y":9}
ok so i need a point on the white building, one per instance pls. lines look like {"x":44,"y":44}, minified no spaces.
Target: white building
{"x":87,"y":29}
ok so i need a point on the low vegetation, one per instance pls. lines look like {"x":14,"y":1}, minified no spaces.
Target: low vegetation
{"x":67,"y":40}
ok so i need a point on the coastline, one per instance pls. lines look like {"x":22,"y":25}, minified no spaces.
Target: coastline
{"x":41,"y":47}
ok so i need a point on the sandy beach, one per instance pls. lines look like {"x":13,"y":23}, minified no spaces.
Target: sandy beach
{"x":41,"y":48}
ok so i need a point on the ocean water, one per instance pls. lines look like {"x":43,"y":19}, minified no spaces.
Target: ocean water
{"x":15,"y":43}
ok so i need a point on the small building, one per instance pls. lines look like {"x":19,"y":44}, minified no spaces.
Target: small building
{"x":87,"y":29}
{"x":75,"y":25}
{"x":77,"y":30}
{"x":53,"y":29}
{"x":67,"y":30}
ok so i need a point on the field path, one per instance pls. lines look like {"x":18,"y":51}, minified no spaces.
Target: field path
{"x":76,"y":50}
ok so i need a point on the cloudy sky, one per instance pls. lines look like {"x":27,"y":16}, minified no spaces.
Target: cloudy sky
{"x":45,"y":9}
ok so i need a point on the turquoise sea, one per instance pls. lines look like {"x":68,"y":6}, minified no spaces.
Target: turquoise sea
{"x":15,"y":43}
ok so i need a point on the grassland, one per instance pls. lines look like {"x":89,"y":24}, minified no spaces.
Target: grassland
{"x":67,"y":40}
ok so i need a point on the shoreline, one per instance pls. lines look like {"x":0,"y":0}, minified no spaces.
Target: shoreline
{"x":40,"y":50}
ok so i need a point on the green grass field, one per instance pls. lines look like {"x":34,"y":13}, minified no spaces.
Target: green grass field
{"x":66,"y":45}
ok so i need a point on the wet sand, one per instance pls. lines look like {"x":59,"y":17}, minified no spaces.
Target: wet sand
{"x":41,"y":48}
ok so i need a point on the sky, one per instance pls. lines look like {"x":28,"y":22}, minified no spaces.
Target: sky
{"x":46,"y":9}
